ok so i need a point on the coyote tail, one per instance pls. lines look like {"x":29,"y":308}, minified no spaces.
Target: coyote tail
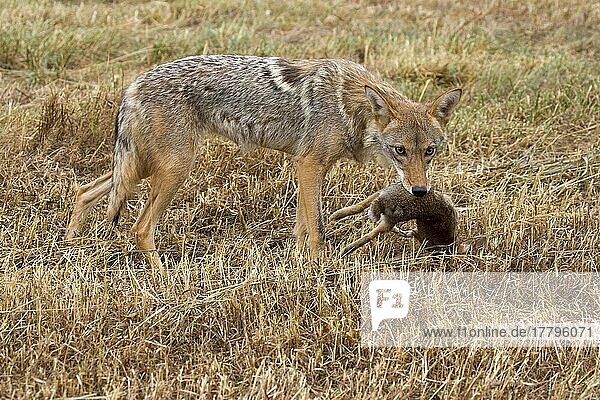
{"x":124,"y":172}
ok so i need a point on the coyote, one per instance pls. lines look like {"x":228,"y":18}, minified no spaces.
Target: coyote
{"x":435,"y":214}
{"x":319,"y":111}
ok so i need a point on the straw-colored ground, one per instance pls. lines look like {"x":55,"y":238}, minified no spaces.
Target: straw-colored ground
{"x":237,"y":313}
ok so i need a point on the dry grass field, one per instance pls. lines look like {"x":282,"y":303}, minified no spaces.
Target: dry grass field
{"x":237,"y":313}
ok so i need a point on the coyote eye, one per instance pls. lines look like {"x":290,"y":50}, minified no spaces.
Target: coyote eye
{"x":430,"y":151}
{"x":400,"y":150}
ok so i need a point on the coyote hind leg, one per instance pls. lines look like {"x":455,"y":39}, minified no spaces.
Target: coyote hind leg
{"x":163,"y":187}
{"x":87,"y":196}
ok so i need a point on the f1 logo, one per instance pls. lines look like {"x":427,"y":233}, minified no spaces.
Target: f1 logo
{"x":389,"y":300}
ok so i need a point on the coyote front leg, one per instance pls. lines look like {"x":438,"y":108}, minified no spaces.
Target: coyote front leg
{"x":309,"y":222}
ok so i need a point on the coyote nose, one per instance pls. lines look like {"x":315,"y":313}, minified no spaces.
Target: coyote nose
{"x":419,"y":191}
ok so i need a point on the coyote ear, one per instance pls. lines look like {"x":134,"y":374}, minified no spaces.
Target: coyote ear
{"x":379,"y":105}
{"x":442,"y":107}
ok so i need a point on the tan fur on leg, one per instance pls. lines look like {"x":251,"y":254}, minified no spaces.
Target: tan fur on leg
{"x":87,"y":196}
{"x":164,"y":186}
{"x":310,"y":180}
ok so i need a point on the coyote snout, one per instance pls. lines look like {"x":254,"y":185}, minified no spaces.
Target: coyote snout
{"x":419,"y":191}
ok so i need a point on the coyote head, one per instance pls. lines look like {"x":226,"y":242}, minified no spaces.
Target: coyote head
{"x":409,"y":134}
